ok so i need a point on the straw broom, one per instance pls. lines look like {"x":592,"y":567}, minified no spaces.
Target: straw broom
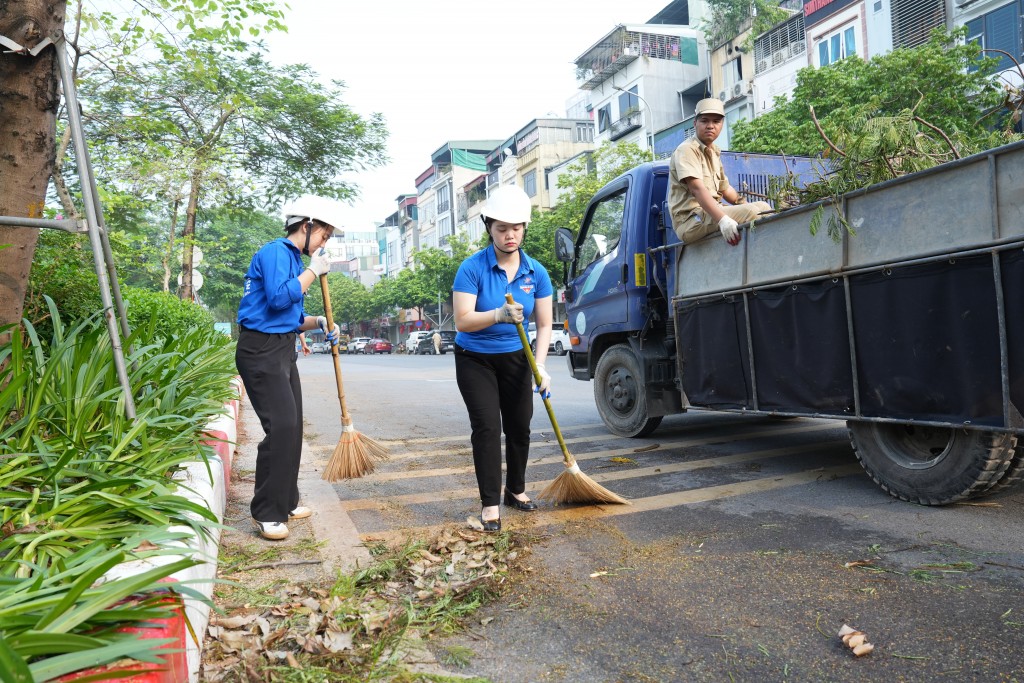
{"x":355,"y":453}
{"x":572,"y":485}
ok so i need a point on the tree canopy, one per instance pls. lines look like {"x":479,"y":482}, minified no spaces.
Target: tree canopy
{"x":944,"y":82}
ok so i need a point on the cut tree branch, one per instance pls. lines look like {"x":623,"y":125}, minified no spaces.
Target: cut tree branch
{"x":822,"y":134}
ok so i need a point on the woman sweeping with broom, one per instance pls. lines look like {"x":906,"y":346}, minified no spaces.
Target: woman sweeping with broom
{"x":269,"y":315}
{"x":492,"y":371}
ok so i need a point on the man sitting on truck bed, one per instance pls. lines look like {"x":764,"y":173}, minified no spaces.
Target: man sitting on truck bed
{"x":698,"y":183}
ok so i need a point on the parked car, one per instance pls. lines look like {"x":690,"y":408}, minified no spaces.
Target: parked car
{"x":320,"y":347}
{"x":414,"y":339}
{"x":425,"y":347}
{"x":377,"y":346}
{"x":559,"y":343}
{"x":357,"y":344}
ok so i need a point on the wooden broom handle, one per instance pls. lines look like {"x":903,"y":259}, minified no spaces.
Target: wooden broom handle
{"x":525,"y":341}
{"x":329,"y":314}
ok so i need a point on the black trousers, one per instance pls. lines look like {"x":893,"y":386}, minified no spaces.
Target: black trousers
{"x":266,"y":363}
{"x":498,"y":391}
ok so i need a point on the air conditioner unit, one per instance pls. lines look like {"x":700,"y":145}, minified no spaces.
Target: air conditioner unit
{"x":737,"y":89}
{"x":722,"y":96}
{"x":779,"y":57}
{"x":762,"y":66}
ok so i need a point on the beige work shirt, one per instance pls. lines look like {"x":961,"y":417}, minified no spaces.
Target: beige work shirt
{"x":694,"y":159}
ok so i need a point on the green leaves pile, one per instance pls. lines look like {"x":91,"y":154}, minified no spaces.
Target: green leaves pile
{"x":83,"y":488}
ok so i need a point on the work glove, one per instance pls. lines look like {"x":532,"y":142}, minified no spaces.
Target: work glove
{"x":333,"y":334}
{"x":730,"y":230}
{"x":509,"y":313}
{"x":320,"y":263}
{"x":544,"y":388}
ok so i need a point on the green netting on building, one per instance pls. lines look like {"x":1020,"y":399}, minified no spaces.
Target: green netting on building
{"x":474,"y":162}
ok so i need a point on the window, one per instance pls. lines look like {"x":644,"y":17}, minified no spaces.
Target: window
{"x":443,"y":196}
{"x":842,"y":43}
{"x":780,"y":44}
{"x":604,"y":229}
{"x":530,"y":183}
{"x":913,"y":21}
{"x":444,"y":226}
{"x":584,"y":132}
{"x":604,"y":118}
{"x":628,"y":101}
{"x":999,"y":29}
{"x":732,"y":73}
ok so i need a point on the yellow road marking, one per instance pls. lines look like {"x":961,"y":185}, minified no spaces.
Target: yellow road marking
{"x":631,"y":473}
{"x":632,"y":450}
{"x":648,"y":504}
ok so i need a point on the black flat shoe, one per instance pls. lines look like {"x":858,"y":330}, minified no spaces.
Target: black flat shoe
{"x":528,"y":506}
{"x":490,"y":525}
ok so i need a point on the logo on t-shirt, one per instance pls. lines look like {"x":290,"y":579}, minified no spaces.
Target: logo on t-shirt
{"x":526,"y":286}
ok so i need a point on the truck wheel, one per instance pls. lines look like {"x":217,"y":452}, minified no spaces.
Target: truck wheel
{"x":931,"y":465}
{"x":559,"y":349}
{"x":1014,"y":473}
{"x":620,"y":394}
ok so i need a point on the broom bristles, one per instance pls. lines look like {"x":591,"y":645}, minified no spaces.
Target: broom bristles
{"x":353,"y":456}
{"x":573,"y":486}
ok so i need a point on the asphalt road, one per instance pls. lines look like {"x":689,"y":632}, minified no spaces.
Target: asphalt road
{"x":732,"y":563}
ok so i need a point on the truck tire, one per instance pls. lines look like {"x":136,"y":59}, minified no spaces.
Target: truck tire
{"x":1014,"y":473}
{"x":620,"y":394}
{"x":931,"y":465}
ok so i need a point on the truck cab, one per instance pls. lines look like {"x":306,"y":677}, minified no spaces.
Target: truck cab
{"x":620,"y":283}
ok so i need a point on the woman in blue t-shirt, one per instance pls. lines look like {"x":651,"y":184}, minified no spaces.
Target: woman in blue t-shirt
{"x":269,"y":315}
{"x":491,"y":368}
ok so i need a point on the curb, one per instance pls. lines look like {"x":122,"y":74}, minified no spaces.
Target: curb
{"x":204,"y":483}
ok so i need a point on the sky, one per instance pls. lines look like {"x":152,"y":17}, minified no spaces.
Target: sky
{"x":450,"y":70}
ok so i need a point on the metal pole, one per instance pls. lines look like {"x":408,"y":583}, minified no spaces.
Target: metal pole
{"x":108,"y":255}
{"x":92,"y":220}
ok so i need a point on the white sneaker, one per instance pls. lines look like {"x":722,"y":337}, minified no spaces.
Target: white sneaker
{"x":300,"y":512}
{"x":274,"y":531}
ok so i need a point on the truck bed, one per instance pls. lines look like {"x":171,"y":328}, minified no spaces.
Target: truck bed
{"x":917,"y":318}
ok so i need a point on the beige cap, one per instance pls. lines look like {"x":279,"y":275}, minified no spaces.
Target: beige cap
{"x":711,"y":105}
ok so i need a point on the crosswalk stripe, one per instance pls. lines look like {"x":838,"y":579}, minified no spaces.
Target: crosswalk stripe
{"x":648,"y":504}
{"x":619,"y":452}
{"x":372,"y":503}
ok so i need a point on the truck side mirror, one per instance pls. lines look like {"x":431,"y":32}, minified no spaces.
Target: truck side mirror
{"x":565,"y":246}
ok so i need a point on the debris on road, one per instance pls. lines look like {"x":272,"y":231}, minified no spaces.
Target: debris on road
{"x":855,"y":640}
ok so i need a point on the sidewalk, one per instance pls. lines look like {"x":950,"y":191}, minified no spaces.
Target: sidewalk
{"x":339,"y":545}
{"x":316,"y":550}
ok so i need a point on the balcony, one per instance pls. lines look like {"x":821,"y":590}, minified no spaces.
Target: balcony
{"x":627,"y":124}
{"x":620,"y":48}
{"x":443,"y":207}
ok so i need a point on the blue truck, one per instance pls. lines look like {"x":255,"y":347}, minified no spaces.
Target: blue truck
{"x":910,"y":328}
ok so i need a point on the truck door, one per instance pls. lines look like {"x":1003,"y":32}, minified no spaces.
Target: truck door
{"x":600,"y":273}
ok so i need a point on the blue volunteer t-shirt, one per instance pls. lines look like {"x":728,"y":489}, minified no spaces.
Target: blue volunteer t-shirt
{"x":480,"y":275}
{"x":272,"y":298}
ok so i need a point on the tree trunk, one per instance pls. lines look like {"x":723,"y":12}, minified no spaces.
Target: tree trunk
{"x":188,"y":237}
{"x":169,"y":254}
{"x":28,"y":109}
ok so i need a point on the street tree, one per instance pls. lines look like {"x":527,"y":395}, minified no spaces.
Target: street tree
{"x":730,"y":18}
{"x":251,"y":133}
{"x":29,"y":92}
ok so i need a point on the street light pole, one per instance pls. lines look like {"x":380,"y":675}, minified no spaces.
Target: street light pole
{"x":647,"y":124}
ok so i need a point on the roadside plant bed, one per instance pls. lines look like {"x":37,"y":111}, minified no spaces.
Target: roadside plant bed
{"x":365,"y":626}
{"x":84,"y":489}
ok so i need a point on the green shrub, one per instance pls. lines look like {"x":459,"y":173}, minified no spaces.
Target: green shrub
{"x":83,"y":487}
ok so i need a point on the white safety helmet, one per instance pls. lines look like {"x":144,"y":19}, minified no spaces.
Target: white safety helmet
{"x":312,"y":207}
{"x":508,"y":203}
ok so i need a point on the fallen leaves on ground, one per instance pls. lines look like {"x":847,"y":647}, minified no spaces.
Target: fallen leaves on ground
{"x":346,"y":620}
